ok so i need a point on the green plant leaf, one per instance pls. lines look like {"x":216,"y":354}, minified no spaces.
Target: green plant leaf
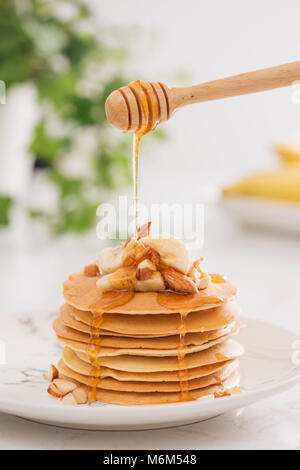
{"x":73,"y":67}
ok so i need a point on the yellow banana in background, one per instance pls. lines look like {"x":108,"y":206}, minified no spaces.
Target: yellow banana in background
{"x":282,"y":183}
{"x":288,"y":153}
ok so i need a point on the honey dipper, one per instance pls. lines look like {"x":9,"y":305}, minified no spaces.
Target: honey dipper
{"x":141,"y":105}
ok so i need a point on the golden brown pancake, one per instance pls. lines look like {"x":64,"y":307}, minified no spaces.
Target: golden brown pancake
{"x":68,"y":319}
{"x":94,"y":350}
{"x":81,"y":292}
{"x":162,"y":342}
{"x":140,"y":386}
{"x":155,"y":398}
{"x":162,"y":325}
{"x":71,"y":360}
{"x":224,"y":351}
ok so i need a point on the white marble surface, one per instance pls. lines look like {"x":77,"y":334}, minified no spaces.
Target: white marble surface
{"x":266,"y":425}
{"x":266,"y":268}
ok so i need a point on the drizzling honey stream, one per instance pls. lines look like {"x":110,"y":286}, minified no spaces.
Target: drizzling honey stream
{"x":149,"y":115}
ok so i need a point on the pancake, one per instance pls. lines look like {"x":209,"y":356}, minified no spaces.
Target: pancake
{"x":155,"y":398}
{"x":226,"y":350}
{"x":81,"y":292}
{"x":162,"y":342}
{"x":68,"y":319}
{"x":141,"y":386}
{"x":71,"y":360}
{"x":166,"y":324}
{"x":100,"y":352}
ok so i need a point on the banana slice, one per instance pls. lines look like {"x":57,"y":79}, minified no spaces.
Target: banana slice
{"x":104,"y":284}
{"x":172,"y":252}
{"x":110,"y":259}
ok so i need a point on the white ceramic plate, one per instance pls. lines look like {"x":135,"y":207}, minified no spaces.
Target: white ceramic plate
{"x":282,"y":216}
{"x":266,"y":369}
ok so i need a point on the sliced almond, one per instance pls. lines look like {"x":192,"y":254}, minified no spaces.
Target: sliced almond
{"x":203,"y":281}
{"x":51,"y":374}
{"x":197,"y":262}
{"x":91,"y":270}
{"x":143,"y":274}
{"x":80,"y":395}
{"x":155,"y":257}
{"x":179,"y":282}
{"x":194,"y":274}
{"x":64,"y":386}
{"x":154,"y":284}
{"x":135,"y":252}
{"x":53,"y":390}
{"x":200,"y":278}
{"x":143,"y":231}
{"x":69,"y":399}
{"x":145,"y":270}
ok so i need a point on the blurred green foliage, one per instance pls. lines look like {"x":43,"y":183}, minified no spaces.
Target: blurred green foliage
{"x":53,"y":46}
{"x":5,"y":206}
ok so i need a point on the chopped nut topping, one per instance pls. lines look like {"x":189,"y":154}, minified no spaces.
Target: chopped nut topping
{"x":178,"y":282}
{"x":91,"y":270}
{"x":143,"y":231}
{"x":145,"y":270}
{"x":51,"y":374}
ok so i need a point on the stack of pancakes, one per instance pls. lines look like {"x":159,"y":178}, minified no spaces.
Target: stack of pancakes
{"x":143,"y":352}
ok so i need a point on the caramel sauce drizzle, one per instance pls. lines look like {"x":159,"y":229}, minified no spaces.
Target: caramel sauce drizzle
{"x":184,"y":304}
{"x":92,"y":351}
{"x":182,"y":372}
{"x":106,"y":302}
{"x":217,"y":278}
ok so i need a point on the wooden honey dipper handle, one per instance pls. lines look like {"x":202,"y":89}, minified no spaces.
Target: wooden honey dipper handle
{"x":140,"y":106}
{"x":243,"y":84}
